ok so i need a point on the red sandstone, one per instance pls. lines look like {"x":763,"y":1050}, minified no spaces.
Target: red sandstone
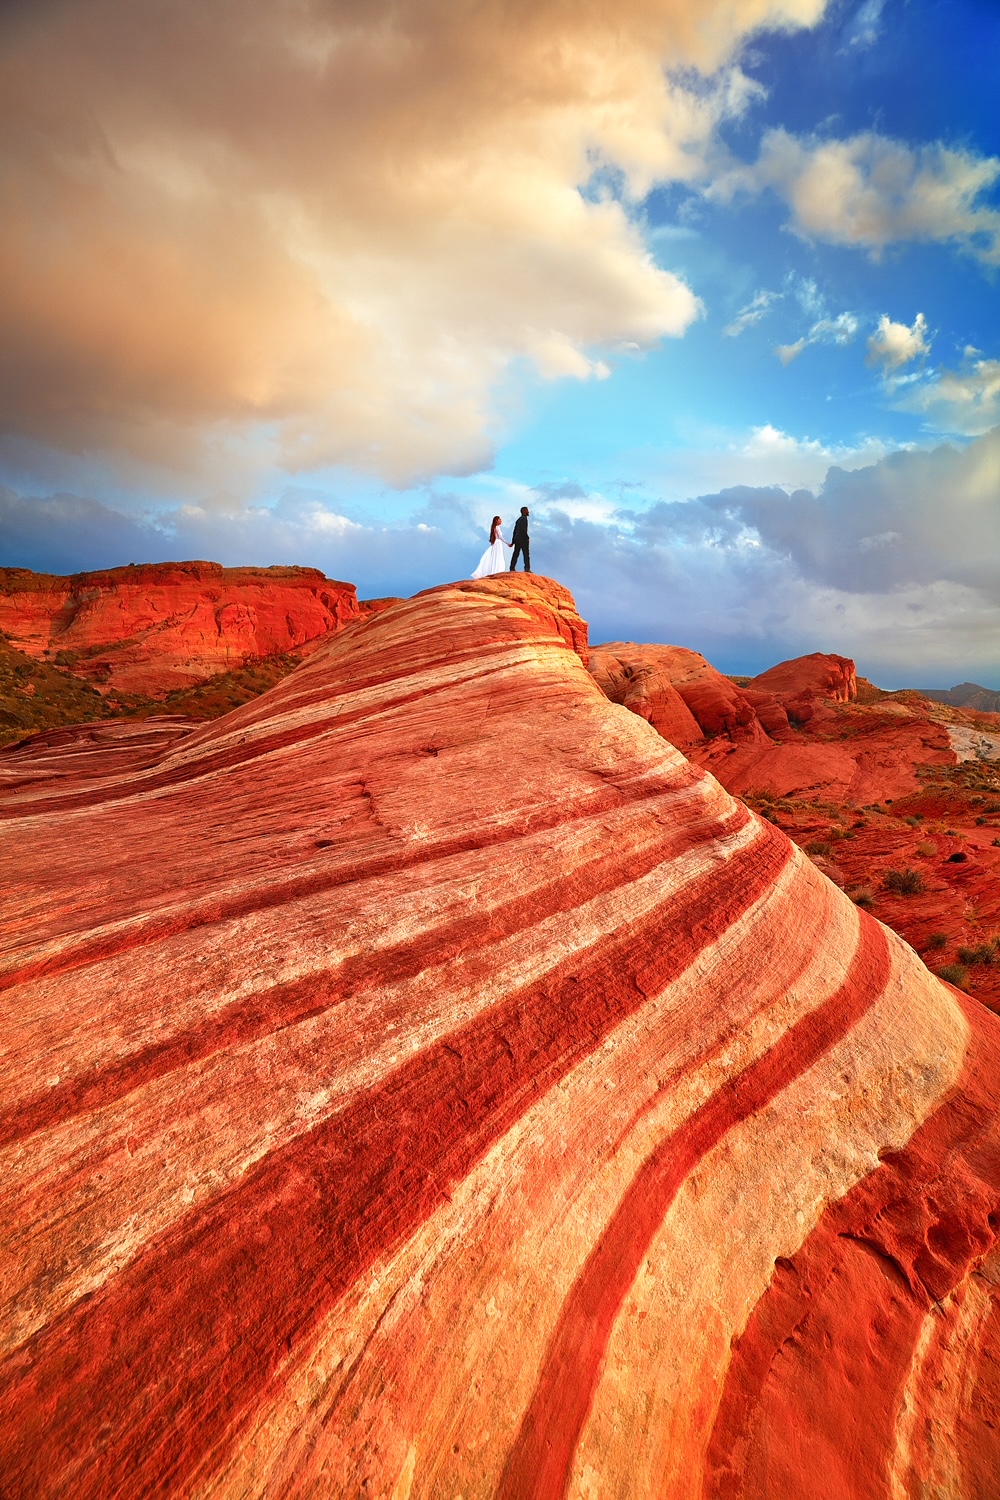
{"x":153,"y":628}
{"x":457,"y":1092}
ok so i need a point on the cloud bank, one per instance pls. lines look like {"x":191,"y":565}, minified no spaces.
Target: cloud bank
{"x":892,"y":563}
{"x":338,"y":224}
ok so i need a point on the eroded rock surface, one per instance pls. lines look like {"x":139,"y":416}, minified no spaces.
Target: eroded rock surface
{"x":424,"y":1081}
{"x":163,"y":626}
{"x":677,"y":691}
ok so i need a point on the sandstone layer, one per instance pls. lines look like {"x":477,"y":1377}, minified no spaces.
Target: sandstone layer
{"x":163,"y":626}
{"x":424,"y":1081}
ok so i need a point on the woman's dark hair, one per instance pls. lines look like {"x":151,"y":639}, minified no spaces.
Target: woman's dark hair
{"x":493,"y":529}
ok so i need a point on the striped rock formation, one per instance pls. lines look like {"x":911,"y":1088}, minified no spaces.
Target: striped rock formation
{"x":425,"y":1082}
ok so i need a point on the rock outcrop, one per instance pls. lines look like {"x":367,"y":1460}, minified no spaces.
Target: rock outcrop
{"x":424,"y":1081}
{"x":164,"y":626}
{"x":677,"y":691}
{"x":798,"y":684}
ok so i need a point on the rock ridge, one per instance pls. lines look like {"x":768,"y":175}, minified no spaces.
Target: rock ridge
{"x":457,"y":1091}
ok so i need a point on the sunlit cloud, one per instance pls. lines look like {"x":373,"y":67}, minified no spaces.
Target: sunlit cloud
{"x":893,"y":345}
{"x":872,"y":191}
{"x":337,"y":229}
{"x":965,"y":401}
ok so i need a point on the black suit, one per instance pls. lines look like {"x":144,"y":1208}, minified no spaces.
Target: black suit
{"x":520,"y":539}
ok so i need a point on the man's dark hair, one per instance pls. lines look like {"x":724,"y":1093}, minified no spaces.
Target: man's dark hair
{"x":525,"y":511}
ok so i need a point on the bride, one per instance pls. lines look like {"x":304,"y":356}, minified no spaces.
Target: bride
{"x":493,"y":560}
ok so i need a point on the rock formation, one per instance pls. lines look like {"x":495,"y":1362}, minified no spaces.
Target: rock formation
{"x":798,"y":684}
{"x":164,"y":626}
{"x":677,"y":691}
{"x":870,"y":783}
{"x":424,"y":1081}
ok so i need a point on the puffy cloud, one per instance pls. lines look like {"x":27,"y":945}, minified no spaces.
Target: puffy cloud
{"x":895,"y":344}
{"x":338,"y":224}
{"x":966,"y":400}
{"x":872,"y":191}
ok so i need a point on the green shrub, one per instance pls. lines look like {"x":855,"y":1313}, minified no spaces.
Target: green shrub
{"x":820,"y":848}
{"x":903,"y":882}
{"x":938,"y":940}
{"x":862,"y":895}
{"x":955,"y":974}
{"x":986,"y":953}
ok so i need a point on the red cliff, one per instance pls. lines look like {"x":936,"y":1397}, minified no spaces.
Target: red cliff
{"x":161,"y":626}
{"x":455,"y":1091}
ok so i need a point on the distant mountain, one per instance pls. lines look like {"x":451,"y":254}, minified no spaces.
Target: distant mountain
{"x":966,"y":695}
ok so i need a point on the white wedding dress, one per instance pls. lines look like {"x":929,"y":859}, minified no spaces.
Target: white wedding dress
{"x":492,"y":560}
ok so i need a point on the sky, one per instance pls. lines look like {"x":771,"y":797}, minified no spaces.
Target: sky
{"x":712,"y":289}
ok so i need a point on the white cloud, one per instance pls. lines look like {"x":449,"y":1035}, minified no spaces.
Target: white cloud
{"x":839,"y":330}
{"x":893,"y":564}
{"x":895,"y":344}
{"x":714,"y":459}
{"x":756,"y":309}
{"x":872,"y":191}
{"x":865,"y":28}
{"x":965,"y":401}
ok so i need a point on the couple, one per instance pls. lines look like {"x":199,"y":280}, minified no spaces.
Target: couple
{"x":493,"y":560}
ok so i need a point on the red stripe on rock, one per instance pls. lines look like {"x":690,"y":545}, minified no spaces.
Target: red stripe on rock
{"x":262,"y":1014}
{"x":167,"y":1363}
{"x":540,"y":1462}
{"x":152,"y":926}
{"x":816,"y":1380}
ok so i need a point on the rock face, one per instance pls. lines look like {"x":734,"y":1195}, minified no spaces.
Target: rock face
{"x":159,"y":627}
{"x":677,"y":691}
{"x":424,"y":1081}
{"x":798,"y":683}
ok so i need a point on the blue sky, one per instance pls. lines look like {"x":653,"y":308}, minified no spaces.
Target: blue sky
{"x":718,"y":302}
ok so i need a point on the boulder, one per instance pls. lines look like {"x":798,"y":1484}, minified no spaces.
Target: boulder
{"x":677,"y":691}
{"x":800,"y":685}
{"x":425,"y":1081}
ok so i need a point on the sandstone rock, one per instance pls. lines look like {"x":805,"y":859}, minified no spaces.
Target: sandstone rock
{"x":799,"y":683}
{"x":677,"y":691}
{"x":163,"y":626}
{"x":425,"y":1081}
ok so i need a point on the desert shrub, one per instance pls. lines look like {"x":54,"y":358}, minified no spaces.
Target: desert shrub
{"x":926,"y":850}
{"x":937,"y":940}
{"x":986,"y":953}
{"x":955,"y":974}
{"x":914,"y":822}
{"x":819,"y":847}
{"x":862,"y":895}
{"x":996,"y":843}
{"x":903,"y":882}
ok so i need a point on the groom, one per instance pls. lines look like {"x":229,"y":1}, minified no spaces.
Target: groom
{"x":520,"y":539}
